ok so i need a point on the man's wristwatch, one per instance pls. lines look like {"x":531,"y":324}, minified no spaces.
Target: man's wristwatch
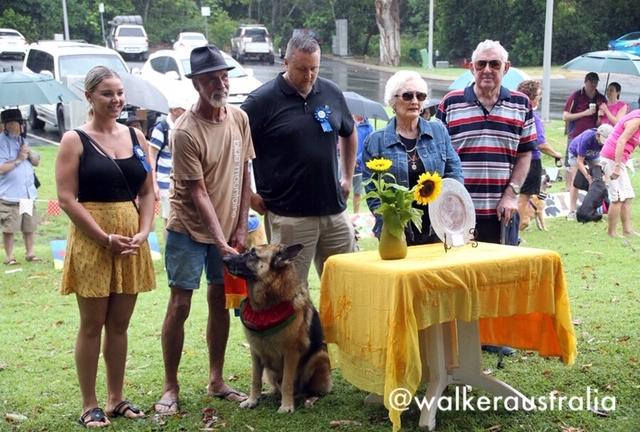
{"x":515,"y":188}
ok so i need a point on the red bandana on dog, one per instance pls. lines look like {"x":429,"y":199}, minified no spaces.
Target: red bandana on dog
{"x":267,"y":321}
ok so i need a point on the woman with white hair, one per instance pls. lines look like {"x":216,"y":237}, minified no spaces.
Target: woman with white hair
{"x":413,"y":145}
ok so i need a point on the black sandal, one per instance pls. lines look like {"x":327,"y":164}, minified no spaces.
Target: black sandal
{"x":121,"y":409}
{"x":93,"y":415}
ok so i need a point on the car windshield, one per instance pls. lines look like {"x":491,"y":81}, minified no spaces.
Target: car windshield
{"x":7,"y":33}
{"x":631,"y":36}
{"x":131,"y":32}
{"x":194,"y":37}
{"x":237,"y":72}
{"x":255,"y":32}
{"x":82,"y":63}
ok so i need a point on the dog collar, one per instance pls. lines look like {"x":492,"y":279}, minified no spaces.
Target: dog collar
{"x":269,"y":321}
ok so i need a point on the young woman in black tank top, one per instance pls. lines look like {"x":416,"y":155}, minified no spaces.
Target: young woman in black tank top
{"x":101,"y":175}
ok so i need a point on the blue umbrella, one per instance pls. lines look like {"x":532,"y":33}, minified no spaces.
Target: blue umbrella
{"x":19,"y":88}
{"x":511,"y":79}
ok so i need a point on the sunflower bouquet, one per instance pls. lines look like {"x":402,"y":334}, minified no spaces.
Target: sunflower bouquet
{"x":396,"y":200}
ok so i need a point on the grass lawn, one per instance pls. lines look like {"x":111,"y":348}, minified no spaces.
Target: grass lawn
{"x":38,"y":328}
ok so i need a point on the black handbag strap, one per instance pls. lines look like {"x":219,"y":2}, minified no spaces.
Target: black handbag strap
{"x":98,"y":147}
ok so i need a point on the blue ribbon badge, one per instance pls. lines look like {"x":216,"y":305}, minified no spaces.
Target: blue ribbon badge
{"x":322,"y":115}
{"x":139,"y":153}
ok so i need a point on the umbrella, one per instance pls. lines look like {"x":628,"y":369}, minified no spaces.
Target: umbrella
{"x":359,"y":104}
{"x":143,"y":94}
{"x":511,"y":79}
{"x":620,"y":62}
{"x":19,"y":88}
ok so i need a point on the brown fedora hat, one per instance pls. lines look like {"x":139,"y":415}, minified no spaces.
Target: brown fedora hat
{"x":206,"y":59}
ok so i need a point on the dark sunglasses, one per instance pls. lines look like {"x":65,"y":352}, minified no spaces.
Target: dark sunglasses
{"x":493,"y":64}
{"x":408,"y":96}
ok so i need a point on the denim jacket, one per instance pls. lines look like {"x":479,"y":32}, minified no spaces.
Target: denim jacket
{"x":433,"y":148}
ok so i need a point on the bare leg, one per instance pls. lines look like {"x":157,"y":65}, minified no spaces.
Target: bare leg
{"x":356,"y":203}
{"x":28,"y":243}
{"x":7,"y":240}
{"x":217,"y":335}
{"x":612,"y":218}
{"x":115,"y":348}
{"x":93,"y":312}
{"x":573,"y":198}
{"x":172,"y":344}
{"x":625,"y":217}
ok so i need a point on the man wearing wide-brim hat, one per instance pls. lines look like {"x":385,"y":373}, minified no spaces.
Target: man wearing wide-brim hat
{"x":17,"y":186}
{"x":209,"y":204}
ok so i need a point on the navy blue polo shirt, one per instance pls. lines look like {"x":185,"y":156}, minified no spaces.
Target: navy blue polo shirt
{"x":296,"y":164}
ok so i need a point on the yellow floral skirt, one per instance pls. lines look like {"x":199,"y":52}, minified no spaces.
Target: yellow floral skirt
{"x":91,"y":270}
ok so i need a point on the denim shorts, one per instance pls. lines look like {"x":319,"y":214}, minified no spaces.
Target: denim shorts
{"x":185,"y":259}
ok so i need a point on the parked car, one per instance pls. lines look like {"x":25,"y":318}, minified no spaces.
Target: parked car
{"x":12,"y":43}
{"x":67,"y":62}
{"x":629,"y":43}
{"x":189,"y":40}
{"x":128,"y":36}
{"x":252,"y":42}
{"x":166,"y":69}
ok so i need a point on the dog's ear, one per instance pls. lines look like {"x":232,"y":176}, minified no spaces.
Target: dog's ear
{"x":286,"y":254}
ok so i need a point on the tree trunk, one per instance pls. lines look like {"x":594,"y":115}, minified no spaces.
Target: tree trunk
{"x":388,"y":20}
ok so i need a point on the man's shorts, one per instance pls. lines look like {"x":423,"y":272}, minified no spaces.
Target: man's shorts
{"x":619,"y":189}
{"x":11,"y":221}
{"x":164,"y":203}
{"x":573,"y":161}
{"x":185,"y":259}
{"x":356,"y":184}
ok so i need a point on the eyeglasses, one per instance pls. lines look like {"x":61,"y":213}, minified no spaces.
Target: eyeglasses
{"x":408,"y":96}
{"x":493,"y":64}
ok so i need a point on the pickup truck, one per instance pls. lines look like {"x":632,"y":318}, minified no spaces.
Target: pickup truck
{"x":252,"y":42}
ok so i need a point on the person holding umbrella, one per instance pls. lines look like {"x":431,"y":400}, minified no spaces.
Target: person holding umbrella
{"x":17,"y":186}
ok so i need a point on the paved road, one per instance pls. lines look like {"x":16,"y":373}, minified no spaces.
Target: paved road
{"x":370,"y":81}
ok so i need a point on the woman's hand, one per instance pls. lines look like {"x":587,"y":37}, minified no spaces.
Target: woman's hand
{"x":616,"y":171}
{"x":122,"y":245}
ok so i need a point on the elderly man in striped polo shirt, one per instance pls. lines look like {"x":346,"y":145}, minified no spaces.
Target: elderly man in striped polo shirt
{"x":493,"y":131}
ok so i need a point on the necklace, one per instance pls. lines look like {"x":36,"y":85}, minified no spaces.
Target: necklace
{"x":412,"y":155}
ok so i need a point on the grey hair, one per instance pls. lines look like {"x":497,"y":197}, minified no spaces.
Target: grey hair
{"x":301,"y":42}
{"x":489,"y":44}
{"x":95,"y":76}
{"x":399,"y":79}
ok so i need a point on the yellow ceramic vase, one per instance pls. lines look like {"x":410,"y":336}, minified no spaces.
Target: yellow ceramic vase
{"x":391,"y":247}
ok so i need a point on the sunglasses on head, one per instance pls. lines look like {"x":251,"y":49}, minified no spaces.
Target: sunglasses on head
{"x":493,"y":64}
{"x":408,"y":96}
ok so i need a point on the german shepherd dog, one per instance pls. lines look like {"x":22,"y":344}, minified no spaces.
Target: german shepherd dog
{"x":281,"y":325}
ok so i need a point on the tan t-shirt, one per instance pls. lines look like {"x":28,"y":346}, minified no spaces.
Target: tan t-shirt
{"x":215,"y":152}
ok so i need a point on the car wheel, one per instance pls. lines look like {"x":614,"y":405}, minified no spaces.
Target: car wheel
{"x":240,"y":58}
{"x":144,"y":56}
{"x":271,"y":59}
{"x":60,"y":117}
{"x":34,"y":121}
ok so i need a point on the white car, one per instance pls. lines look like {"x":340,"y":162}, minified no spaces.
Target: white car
{"x":67,"y":62}
{"x":189,"y":40}
{"x":166,"y":70}
{"x":12,"y":43}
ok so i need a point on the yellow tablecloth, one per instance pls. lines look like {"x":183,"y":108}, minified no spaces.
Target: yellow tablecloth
{"x":372,"y":309}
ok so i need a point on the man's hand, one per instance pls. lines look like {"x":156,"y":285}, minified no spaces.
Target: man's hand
{"x":507,"y":206}
{"x":24,"y":152}
{"x":156,"y":191}
{"x":257,"y":203}
{"x":346,"y":188}
{"x":239,"y":239}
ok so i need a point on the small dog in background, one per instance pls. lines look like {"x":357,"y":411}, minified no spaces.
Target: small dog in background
{"x":535,"y":206}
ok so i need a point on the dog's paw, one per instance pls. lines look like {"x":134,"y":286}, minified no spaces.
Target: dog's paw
{"x":249,"y":403}
{"x":286,"y":409}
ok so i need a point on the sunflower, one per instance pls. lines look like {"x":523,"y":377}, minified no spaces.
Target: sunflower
{"x":379,"y":165}
{"x":428,"y":188}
